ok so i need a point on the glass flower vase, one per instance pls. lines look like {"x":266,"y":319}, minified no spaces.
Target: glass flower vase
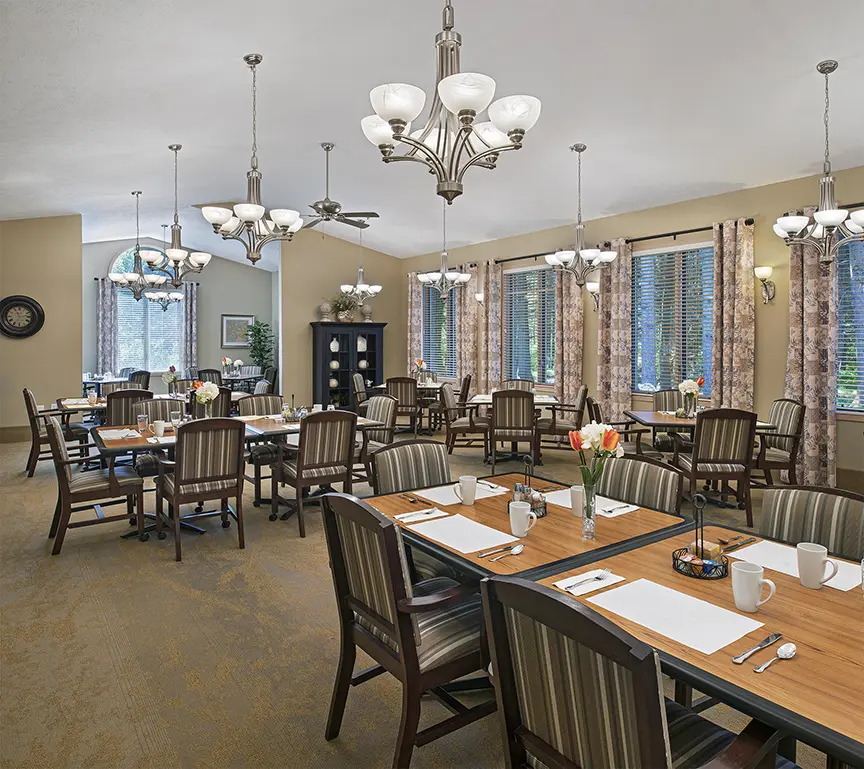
{"x":208,"y":409}
{"x":690,"y":405}
{"x":589,"y":504}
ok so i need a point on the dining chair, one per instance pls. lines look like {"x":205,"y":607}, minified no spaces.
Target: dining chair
{"x":778,"y":449}
{"x":262,"y":387}
{"x":361,"y":396}
{"x":38,"y":422}
{"x":404,"y":390}
{"x":381,"y":408}
{"x":208,"y":464}
{"x":575,"y":690}
{"x":527,"y":385}
{"x":642,"y":481}
{"x":471,"y":425}
{"x":436,"y":409}
{"x":722,"y":450}
{"x":513,"y":419}
{"x":324,"y":455}
{"x":91,"y":490}
{"x":665,"y":400}
{"x":140,"y":379}
{"x":110,"y":387}
{"x":271,"y":374}
{"x":631,"y":436}
{"x":146,"y":463}
{"x":830,"y":517}
{"x":425,"y":635}
{"x":121,"y":406}
{"x":221,"y":405}
{"x":565,"y":418}
{"x":250,"y":370}
{"x":262,"y":452}
{"x":210,"y":375}
{"x":181,"y":386}
{"x":125,"y":372}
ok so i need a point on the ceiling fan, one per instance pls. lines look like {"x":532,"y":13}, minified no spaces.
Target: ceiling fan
{"x":331,"y":210}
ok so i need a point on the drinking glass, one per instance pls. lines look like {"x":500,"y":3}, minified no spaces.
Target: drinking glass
{"x":142,"y":423}
{"x":176,"y":418}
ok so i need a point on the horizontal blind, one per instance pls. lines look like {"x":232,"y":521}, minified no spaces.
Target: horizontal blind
{"x":147,"y":337}
{"x":439,"y":331}
{"x":529,"y":325}
{"x":131,"y":331}
{"x":850,"y":327}
{"x":672,"y":318}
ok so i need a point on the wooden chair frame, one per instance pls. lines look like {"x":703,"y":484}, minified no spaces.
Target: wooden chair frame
{"x":361,"y":397}
{"x":554,"y":431}
{"x":210,"y":375}
{"x":376,"y":486}
{"x":767,"y":466}
{"x":37,"y":453}
{"x":365,"y":431}
{"x":413,"y":412}
{"x":625,"y":428}
{"x":257,"y":477}
{"x":463,"y":409}
{"x":494,"y":427}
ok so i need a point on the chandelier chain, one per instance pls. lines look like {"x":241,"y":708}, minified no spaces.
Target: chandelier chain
{"x":254,"y":115}
{"x":137,"y":224}
{"x":444,"y":226}
{"x":827,"y":164}
{"x":176,"y":194}
{"x":579,"y":187}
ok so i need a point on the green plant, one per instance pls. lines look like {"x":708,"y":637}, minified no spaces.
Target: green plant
{"x":343,"y":303}
{"x":260,"y":344}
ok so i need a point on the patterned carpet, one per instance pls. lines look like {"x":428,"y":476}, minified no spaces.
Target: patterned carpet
{"x":113,"y":655}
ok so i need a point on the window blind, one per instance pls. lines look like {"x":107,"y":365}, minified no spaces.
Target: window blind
{"x":529,"y":325}
{"x":147,"y":337}
{"x":850,"y":327}
{"x":672,"y":318}
{"x":439,"y":331}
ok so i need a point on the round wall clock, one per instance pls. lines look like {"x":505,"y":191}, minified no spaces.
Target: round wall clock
{"x":20,"y":316}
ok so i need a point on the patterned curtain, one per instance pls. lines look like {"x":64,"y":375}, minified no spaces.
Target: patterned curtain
{"x":489,"y":372}
{"x":613,"y":336}
{"x":811,"y":361}
{"x":733,"y":362}
{"x":569,"y":329}
{"x":466,"y":328}
{"x":106,"y":327}
{"x":415,"y":320}
{"x":190,"y":326}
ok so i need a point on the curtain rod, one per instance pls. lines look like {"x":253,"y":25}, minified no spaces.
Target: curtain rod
{"x":674,"y":235}
{"x":157,"y":287}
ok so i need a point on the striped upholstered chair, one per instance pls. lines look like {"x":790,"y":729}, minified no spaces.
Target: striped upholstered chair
{"x":461,"y":421}
{"x":404,"y":390}
{"x":526,"y":385}
{"x":261,"y":453}
{"x":778,"y":449}
{"x":221,"y":406}
{"x":361,"y":397}
{"x":121,"y":406}
{"x":208,"y":464}
{"x":381,"y":408}
{"x":425,"y":635}
{"x":631,"y":436}
{"x":575,"y":690}
{"x":181,"y":386}
{"x":262,"y":387}
{"x":38,"y":421}
{"x":210,"y":375}
{"x":832,"y":517}
{"x":109,"y":387}
{"x":147,"y":464}
{"x":666,"y":400}
{"x":563,"y":420}
{"x":140,"y":379}
{"x":722,"y":451}
{"x":513,"y":420}
{"x":642,"y":481}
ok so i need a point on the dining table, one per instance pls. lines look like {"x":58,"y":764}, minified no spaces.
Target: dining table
{"x":814,"y":697}
{"x":666,"y":420}
{"x":96,"y":384}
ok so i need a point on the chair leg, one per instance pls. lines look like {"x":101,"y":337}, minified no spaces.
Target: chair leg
{"x":768,"y":479}
{"x":56,"y":519}
{"x":143,"y":536}
{"x":159,"y":515}
{"x":793,"y":475}
{"x":300,"y":522}
{"x":451,"y":441}
{"x":174,"y":510}
{"x":347,"y":655}
{"x":274,"y":492}
{"x":407,"y":727}
{"x":61,"y":529}
{"x":32,"y":459}
{"x":241,"y":533}
{"x":748,"y":506}
{"x":257,"y":484}
{"x":226,"y":522}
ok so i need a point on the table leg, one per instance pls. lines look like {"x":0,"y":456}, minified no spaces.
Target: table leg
{"x":786,"y":748}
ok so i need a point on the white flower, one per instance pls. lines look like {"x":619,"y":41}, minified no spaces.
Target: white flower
{"x":688,"y":387}
{"x":592,"y":435}
{"x":207,"y":392}
{"x":238,"y":363}
{"x":619,"y":451}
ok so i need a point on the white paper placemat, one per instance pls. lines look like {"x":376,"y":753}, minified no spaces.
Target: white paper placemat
{"x":445,"y":495}
{"x":251,"y":418}
{"x":562,"y":498}
{"x":783,"y":558}
{"x":587,"y":587}
{"x":115,"y":435}
{"x":416,"y":516}
{"x":695,"y":623}
{"x":163,"y":439}
{"x":463,"y":534}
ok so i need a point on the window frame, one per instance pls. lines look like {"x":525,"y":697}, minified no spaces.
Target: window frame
{"x":450,"y":358}
{"x":548,"y":344}
{"x":855,"y":412}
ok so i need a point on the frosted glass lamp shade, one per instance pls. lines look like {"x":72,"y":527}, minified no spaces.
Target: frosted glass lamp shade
{"x":792,"y":224}
{"x":858,"y":217}
{"x":763,"y":273}
{"x":376,"y":130}
{"x":230,"y":225}
{"x":248,"y":212}
{"x":491,"y":135}
{"x":159,"y":279}
{"x":466,"y":91}
{"x":424,"y":278}
{"x":284,"y":217}
{"x":565,"y":256}
{"x":116,"y":277}
{"x":552,"y":260}
{"x":436,"y":139}
{"x":832,"y":218}
{"x":200,"y":258}
{"x":397,"y":101}
{"x":434,"y":277}
{"x":296,"y":226}
{"x":514,"y":113}
{"x":151,"y":295}
{"x":175,"y":296}
{"x":375,"y":289}
{"x":150,"y":257}
{"x":132,"y":277}
{"x":590,"y":254}
{"x":817,"y":231}
{"x":451,"y":276}
{"x":854,"y":228}
{"x":151,"y":280}
{"x":176,"y":255}
{"x":608,"y":256}
{"x":779,"y":231}
{"x":361,"y":287}
{"x":593,"y":287}
{"x":216,"y":215}
{"x":465,"y":277}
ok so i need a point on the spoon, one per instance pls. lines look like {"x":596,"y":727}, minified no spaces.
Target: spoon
{"x":515,"y":550}
{"x":785,"y":652}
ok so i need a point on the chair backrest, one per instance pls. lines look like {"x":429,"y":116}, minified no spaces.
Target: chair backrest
{"x":110,"y":387}
{"x":249,"y":370}
{"x":125,"y":372}
{"x":518,"y":384}
{"x":595,"y":413}
{"x":404,"y":390}
{"x":382,"y":408}
{"x":59,"y":452}
{"x":209,"y":450}
{"x":667,"y":400}
{"x":159,"y":408}
{"x":121,"y":406}
{"x":221,"y":405}
{"x":270,"y":374}
{"x":210,"y":375}
{"x":724,"y":436}
{"x":464,"y":388}
{"x":182,"y":385}
{"x":831,"y":517}
{"x":140,"y":379}
{"x":259,"y":405}
{"x":642,"y":481}
{"x":327,"y":440}
{"x":573,"y":689}
{"x":36,"y":422}
{"x":581,"y":401}
{"x":192,"y":372}
{"x":512,"y":411}
{"x":788,"y":415}
{"x":359,"y":385}
{"x":448,"y":401}
{"x":410,"y":465}
{"x":262,"y":386}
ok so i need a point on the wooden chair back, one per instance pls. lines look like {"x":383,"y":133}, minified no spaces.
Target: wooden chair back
{"x":262,"y":386}
{"x":724,"y":436}
{"x":181,"y":386}
{"x":60,"y":454}
{"x":109,"y":387}
{"x":642,"y":481}
{"x":382,"y":408}
{"x":326,"y":440}
{"x":410,"y":465}
{"x":250,"y":370}
{"x":140,"y":379}
{"x":449,"y":406}
{"x":513,"y":414}
{"x":404,"y":390}
{"x":527,"y":385}
{"x":159,"y":408}
{"x":209,"y":450}
{"x":667,"y":400}
{"x":260,"y":405}
{"x":464,"y":388}
{"x":37,"y":423}
{"x":788,"y":416}
{"x":221,"y":405}
{"x":121,"y":406}
{"x":595,"y":413}
{"x":210,"y":375}
{"x":359,"y":385}
{"x":271,"y":373}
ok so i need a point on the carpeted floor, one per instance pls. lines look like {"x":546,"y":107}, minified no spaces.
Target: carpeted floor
{"x":113,"y":655}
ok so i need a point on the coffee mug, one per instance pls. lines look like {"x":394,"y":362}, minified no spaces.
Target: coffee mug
{"x":577,"y":498}
{"x":91,"y":398}
{"x":157,"y":428}
{"x":522,"y":520}
{"x":811,"y":565}
{"x":466,"y":489}
{"x":747,"y":581}
{"x":316,"y":407}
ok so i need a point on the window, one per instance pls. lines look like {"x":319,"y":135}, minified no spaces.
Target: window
{"x":529,"y":325}
{"x":439,"y":331}
{"x":850,"y":327}
{"x":672,"y":318}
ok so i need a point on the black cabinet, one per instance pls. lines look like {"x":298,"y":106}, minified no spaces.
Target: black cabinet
{"x":339,"y":350}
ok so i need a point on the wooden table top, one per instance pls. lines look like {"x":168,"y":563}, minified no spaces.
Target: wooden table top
{"x":556,"y":537}
{"x":485,"y":399}
{"x":659,"y":419}
{"x":274,"y":425}
{"x":420,"y":386}
{"x":823,"y":683}
{"x":80,"y":404}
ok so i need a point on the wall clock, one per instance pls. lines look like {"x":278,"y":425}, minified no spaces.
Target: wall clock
{"x":20,"y":316}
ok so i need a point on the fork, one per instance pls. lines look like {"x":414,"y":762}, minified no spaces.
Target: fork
{"x":601,"y":576}
{"x":413,"y":500}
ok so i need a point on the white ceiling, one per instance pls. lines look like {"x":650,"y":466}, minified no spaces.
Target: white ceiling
{"x":675,"y":99}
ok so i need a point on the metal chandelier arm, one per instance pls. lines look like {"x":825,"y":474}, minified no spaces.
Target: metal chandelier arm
{"x":433,"y":159}
{"x":485,"y":154}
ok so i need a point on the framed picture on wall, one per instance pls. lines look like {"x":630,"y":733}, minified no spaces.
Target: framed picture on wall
{"x":234,"y":330}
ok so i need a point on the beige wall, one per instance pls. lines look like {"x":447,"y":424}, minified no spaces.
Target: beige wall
{"x":41,"y":258}
{"x":764,"y":204}
{"x":314,"y":265}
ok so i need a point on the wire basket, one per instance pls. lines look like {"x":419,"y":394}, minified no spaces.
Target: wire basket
{"x":697,"y":567}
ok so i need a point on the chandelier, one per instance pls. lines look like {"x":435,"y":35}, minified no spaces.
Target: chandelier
{"x":451,"y":141}
{"x":829,"y":228}
{"x":590,"y":259}
{"x":249,"y":222}
{"x":445,"y":280}
{"x":361,"y":291}
{"x":164,"y":298}
{"x":139,"y":281}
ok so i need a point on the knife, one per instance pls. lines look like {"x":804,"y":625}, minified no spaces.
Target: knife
{"x":738,"y":544}
{"x":496,"y":550}
{"x":773,"y":638}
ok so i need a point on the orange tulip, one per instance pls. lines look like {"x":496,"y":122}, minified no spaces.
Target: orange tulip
{"x":575,"y":440}
{"x":610,"y":440}
{"x":196,"y":384}
{"x":700,"y":381}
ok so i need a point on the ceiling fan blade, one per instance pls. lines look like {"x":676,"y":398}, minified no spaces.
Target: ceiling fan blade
{"x":361,"y":214}
{"x":353,"y":222}
{"x":311,"y":223}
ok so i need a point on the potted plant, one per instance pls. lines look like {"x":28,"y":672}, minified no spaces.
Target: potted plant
{"x":344,"y":306}
{"x":260,"y":339}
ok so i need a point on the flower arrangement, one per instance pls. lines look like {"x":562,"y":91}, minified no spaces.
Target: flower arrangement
{"x":604,"y":442}
{"x":238,"y":363}
{"x":205,"y":394}
{"x":170,"y":376}
{"x":419,"y":364}
{"x":227,"y":362}
{"x":690,"y":390}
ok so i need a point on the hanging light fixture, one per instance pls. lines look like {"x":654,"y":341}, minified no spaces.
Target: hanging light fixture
{"x":579,"y":261}
{"x":451,"y":141}
{"x":445,"y":279}
{"x":361,"y":291}
{"x":830,"y":227}
{"x":138,"y":281}
{"x":249,"y":222}
{"x":163,"y":298}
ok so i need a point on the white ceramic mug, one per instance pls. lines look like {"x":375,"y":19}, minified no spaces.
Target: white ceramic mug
{"x":747,"y":581}
{"x":522,"y":520}
{"x":466,"y":489}
{"x":811,"y":565}
{"x":577,"y":500}
{"x":316,"y":407}
{"x":158,"y":428}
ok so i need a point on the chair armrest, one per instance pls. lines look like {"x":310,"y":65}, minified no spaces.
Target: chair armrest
{"x":624,"y":423}
{"x":772,"y":434}
{"x":436,"y":600}
{"x":749,"y":749}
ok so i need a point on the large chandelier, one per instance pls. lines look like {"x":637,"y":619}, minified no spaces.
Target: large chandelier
{"x":249,"y":222}
{"x":138,"y":281}
{"x":829,"y":228}
{"x":361,"y":290}
{"x":590,"y":259}
{"x":445,"y":279}
{"x":451,"y":141}
{"x":165,"y":298}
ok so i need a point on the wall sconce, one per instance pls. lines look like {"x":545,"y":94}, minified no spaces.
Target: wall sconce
{"x":593,"y":288}
{"x":768,"y":288}
{"x":479,"y":297}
